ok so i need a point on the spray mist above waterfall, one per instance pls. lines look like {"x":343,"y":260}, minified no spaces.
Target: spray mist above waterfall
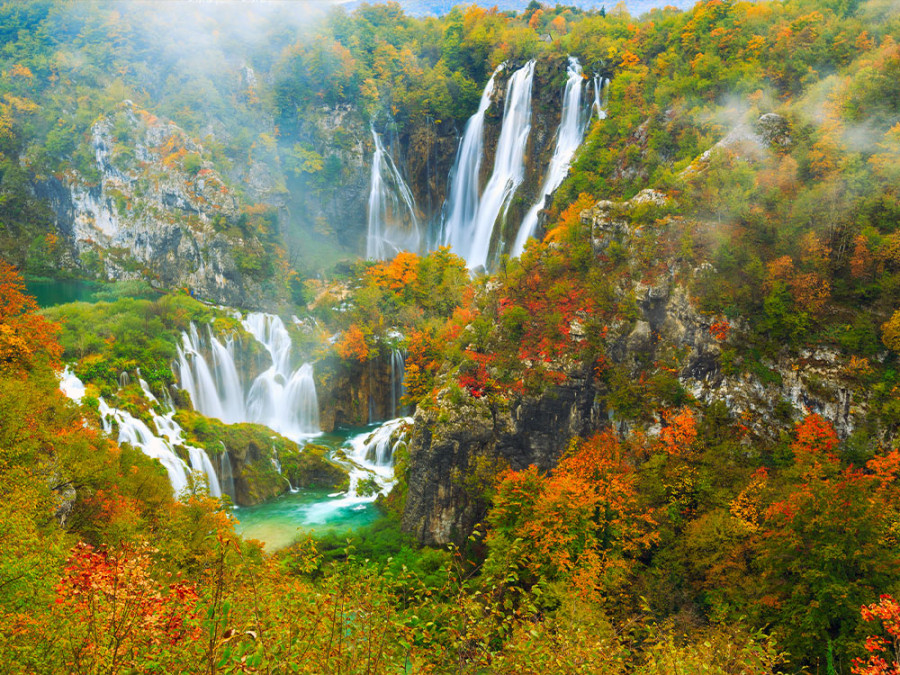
{"x":392,"y":222}
{"x":279,"y":398}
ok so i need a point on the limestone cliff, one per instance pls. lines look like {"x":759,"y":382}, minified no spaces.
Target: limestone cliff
{"x":154,"y":208}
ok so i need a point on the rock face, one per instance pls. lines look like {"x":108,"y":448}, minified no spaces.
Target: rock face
{"x":459,"y":446}
{"x":155,"y":210}
{"x":262,"y":464}
{"x":456,"y":449}
{"x":353,"y":395}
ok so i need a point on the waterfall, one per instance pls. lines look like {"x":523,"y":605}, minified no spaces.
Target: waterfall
{"x":393,"y":225}
{"x":280,"y":399}
{"x":462,"y":197}
{"x":276,"y":461}
{"x":509,"y":164}
{"x":370,"y":460}
{"x":159,"y":445}
{"x":227,"y":380}
{"x":601,"y":89}
{"x":134,"y":431}
{"x":572,"y":125}
{"x":398,"y":370}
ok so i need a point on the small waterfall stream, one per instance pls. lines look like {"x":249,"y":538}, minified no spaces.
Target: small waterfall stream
{"x":278,"y":398}
{"x":370,"y":460}
{"x":601,"y":91}
{"x":398,"y":370}
{"x":159,"y":445}
{"x":392,"y":222}
{"x":572,"y":125}
{"x":227,"y":473}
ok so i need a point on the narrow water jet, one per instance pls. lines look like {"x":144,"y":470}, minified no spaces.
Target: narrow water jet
{"x":392,"y":222}
{"x":226,"y":473}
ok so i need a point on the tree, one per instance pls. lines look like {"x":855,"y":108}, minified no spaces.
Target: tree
{"x":887,"y":611}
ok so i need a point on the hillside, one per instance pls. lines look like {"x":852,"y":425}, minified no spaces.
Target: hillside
{"x":547,"y":340}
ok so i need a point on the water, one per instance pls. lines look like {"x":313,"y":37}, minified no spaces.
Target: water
{"x":158,"y":444}
{"x":279,"y":398}
{"x":398,"y":371}
{"x":572,"y":125}
{"x":51,"y":292}
{"x":369,"y":456}
{"x":509,"y":165}
{"x":392,"y":221}
{"x":462,"y":198}
{"x":601,"y":92}
{"x":279,"y":522}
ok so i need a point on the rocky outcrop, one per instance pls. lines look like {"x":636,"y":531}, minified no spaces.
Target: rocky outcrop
{"x":458,"y":446}
{"x":457,"y":449}
{"x":262,"y":464}
{"x":155,"y":209}
{"x":353,"y":395}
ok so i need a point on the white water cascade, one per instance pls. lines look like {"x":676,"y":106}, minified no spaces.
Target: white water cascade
{"x":279,"y":398}
{"x":393,"y":225}
{"x":159,"y":445}
{"x":462,"y":198}
{"x":370,"y":461}
{"x":572,"y":125}
{"x":509,"y":165}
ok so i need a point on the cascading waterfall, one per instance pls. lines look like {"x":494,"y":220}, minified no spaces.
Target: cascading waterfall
{"x":572,"y":125}
{"x":509,"y":165}
{"x":370,"y":459}
{"x":393,"y":225}
{"x":159,"y":445}
{"x":462,"y":197}
{"x":280,"y":399}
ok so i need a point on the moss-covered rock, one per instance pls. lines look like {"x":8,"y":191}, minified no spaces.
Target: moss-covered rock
{"x":310,"y":467}
{"x":255,"y":452}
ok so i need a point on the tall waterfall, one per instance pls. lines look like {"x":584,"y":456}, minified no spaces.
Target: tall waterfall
{"x":509,"y":165}
{"x":393,"y":225}
{"x":572,"y":125}
{"x":279,"y":398}
{"x":159,"y":445}
{"x":462,"y":198}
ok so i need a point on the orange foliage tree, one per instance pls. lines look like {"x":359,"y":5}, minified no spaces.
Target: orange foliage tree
{"x":352,"y":345}
{"x":886,"y":610}
{"x":583,"y":522}
{"x":24,"y":335}
{"x":123,"y":617}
